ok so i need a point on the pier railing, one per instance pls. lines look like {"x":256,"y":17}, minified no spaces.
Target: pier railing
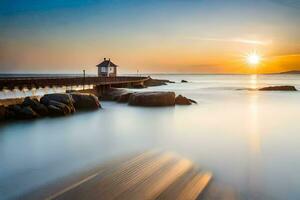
{"x":37,"y":82}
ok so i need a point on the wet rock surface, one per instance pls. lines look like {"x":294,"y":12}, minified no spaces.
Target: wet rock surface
{"x":19,"y":112}
{"x":34,"y":103}
{"x":147,"y":98}
{"x":181,"y":100}
{"x":124,"y":98}
{"x":65,"y":109}
{"x":85,"y":101}
{"x":59,"y":97}
{"x":27,"y":113}
{"x":113,"y":94}
{"x":152,"y":99}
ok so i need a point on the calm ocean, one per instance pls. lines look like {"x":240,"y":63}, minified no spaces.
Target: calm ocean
{"x":249,"y":139}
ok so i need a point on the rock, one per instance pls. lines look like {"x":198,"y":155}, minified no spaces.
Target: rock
{"x":10,"y":114}
{"x":2,"y":112}
{"x":124,"y":98}
{"x":139,"y":86}
{"x":184,"y":81}
{"x":113,"y":94}
{"x":55,"y":111}
{"x":181,"y":100}
{"x":193,"y":101}
{"x":65,"y":99}
{"x":27,"y":113}
{"x":39,"y":108}
{"x":29,"y":101}
{"x":279,"y":88}
{"x":156,"y":82}
{"x":12,"y":111}
{"x":64,"y":108}
{"x":152,"y":99}
{"x":85,"y":101}
{"x":15,"y":108}
{"x":19,"y":112}
{"x":58,"y":97}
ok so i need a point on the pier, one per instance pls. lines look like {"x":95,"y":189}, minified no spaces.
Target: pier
{"x":11,"y":83}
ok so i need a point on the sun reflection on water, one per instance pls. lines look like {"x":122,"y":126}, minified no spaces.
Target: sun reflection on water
{"x":254,"y":136}
{"x":253,"y":128}
{"x":253,"y":81}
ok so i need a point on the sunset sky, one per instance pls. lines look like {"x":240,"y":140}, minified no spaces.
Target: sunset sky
{"x":163,"y":36}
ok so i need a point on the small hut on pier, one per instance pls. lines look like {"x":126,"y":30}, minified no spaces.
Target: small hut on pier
{"x":107,"y":68}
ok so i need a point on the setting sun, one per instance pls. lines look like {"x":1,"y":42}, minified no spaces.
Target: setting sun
{"x":253,"y":59}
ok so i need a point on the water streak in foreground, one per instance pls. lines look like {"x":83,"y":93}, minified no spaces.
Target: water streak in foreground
{"x":248,"y":139}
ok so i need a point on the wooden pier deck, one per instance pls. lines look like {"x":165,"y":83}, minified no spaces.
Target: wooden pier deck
{"x":148,"y":176}
{"x":59,"y":81}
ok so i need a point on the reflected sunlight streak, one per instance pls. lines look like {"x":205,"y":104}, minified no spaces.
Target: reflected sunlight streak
{"x":254,"y":135}
{"x":255,"y":156}
{"x":253,"y":81}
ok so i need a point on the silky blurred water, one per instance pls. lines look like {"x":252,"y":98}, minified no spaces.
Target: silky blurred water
{"x":249,"y":139}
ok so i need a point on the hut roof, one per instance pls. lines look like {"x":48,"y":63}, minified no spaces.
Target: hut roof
{"x":107,"y":63}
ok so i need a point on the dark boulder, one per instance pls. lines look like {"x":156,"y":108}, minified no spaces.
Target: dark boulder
{"x":10,"y":114}
{"x":12,"y":111}
{"x":59,"y":97}
{"x":65,"y":109}
{"x":19,"y":112}
{"x":56,"y":111}
{"x":279,"y":88}
{"x":112,"y":94}
{"x":124,"y":98}
{"x":184,"y":81}
{"x":27,"y":113}
{"x":85,"y":101}
{"x":152,"y":99}
{"x":29,"y":101}
{"x":39,"y":108}
{"x":15,"y":108}
{"x":65,"y":99}
{"x":181,"y":100}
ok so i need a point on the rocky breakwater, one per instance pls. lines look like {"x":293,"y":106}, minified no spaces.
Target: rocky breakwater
{"x":57,"y":104}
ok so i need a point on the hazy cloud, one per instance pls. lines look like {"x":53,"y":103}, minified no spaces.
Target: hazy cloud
{"x":287,"y":55}
{"x":236,"y":40}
